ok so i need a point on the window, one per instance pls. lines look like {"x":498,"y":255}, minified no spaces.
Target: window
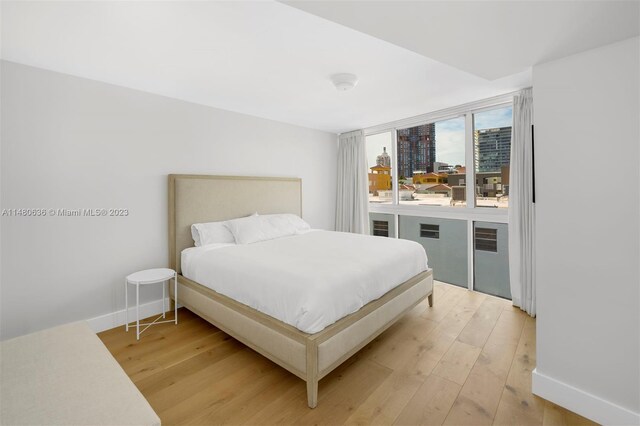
{"x":381,"y":228}
{"x":430,"y":159}
{"x":379,"y":162}
{"x":448,"y":171}
{"x":429,"y":231}
{"x":492,"y":154}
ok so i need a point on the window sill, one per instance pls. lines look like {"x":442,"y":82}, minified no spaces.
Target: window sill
{"x":487,"y":214}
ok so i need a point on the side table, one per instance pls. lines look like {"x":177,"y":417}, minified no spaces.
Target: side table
{"x":150,"y":276}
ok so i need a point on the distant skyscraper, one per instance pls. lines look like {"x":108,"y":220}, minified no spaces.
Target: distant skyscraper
{"x":416,"y":150}
{"x":493,"y":148}
{"x":383,"y":159}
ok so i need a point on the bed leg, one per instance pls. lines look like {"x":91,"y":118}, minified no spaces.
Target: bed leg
{"x":312,"y":393}
{"x":312,"y":373}
{"x":430,"y":299}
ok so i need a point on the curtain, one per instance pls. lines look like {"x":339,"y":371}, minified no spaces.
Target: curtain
{"x":352,"y":204}
{"x":521,"y":207}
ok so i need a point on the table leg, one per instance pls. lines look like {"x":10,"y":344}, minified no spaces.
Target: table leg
{"x":175,"y":297}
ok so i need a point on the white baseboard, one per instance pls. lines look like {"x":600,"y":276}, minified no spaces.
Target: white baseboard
{"x":581,"y":402}
{"x":117,"y":319}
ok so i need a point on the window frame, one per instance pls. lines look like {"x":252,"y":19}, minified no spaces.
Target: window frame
{"x":471,"y":210}
{"x":470,"y":213}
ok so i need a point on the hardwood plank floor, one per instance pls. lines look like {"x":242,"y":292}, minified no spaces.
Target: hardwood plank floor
{"x":467,"y":360}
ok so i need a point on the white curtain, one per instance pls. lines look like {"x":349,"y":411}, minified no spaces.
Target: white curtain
{"x":352,"y":204}
{"x":521,"y":207}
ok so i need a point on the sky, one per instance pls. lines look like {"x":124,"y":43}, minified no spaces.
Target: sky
{"x":449,"y":136}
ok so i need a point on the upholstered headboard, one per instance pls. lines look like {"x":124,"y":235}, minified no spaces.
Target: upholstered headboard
{"x":205,"y":198}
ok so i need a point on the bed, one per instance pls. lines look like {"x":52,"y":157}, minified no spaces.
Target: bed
{"x":309,"y":355}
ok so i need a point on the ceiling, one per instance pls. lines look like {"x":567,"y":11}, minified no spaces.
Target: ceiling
{"x":272,"y":60}
{"x":491,"y":39}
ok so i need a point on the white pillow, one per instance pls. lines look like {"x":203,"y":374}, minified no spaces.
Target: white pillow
{"x":253,"y":229}
{"x":212,"y":233}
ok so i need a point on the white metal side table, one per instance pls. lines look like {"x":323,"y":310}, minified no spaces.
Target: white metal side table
{"x":150,"y":276}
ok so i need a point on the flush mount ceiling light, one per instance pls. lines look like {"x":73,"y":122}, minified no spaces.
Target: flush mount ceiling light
{"x":344,"y":81}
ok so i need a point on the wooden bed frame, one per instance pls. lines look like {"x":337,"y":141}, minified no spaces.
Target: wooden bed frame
{"x":203,"y":198}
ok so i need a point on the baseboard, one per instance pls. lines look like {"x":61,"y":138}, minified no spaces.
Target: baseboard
{"x":117,"y":319}
{"x":581,"y":402}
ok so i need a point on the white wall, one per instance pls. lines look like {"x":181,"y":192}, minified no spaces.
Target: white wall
{"x":587,"y":135}
{"x":69,"y":142}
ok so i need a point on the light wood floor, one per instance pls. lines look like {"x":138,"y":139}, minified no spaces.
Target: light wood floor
{"x":466,"y":361}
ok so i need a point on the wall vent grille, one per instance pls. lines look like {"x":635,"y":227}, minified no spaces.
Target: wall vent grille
{"x":381,"y":228}
{"x":486,"y":239}
{"x":429,"y":231}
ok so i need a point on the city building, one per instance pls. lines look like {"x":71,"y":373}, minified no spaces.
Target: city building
{"x":379,"y":179}
{"x":442,"y":189}
{"x":429,"y":178}
{"x":493,"y":148}
{"x":383,"y":159}
{"x":456,"y":179}
{"x":488,"y":184}
{"x":416,"y":149}
{"x":405,"y":193}
{"x":439,"y":167}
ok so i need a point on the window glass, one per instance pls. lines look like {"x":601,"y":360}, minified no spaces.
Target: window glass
{"x":379,"y":162}
{"x":431,"y":168}
{"x":492,"y":153}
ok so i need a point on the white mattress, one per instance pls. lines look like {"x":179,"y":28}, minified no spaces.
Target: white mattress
{"x":308,"y":281}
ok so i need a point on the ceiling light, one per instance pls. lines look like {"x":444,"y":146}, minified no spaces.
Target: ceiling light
{"x":344,"y":81}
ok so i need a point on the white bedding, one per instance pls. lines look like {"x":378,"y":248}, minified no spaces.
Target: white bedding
{"x":310,"y":280}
